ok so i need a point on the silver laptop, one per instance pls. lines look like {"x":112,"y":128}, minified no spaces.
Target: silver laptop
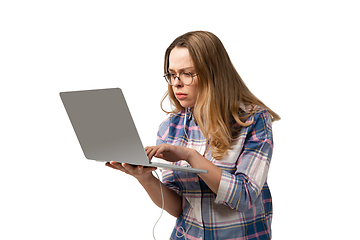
{"x":105,"y":129}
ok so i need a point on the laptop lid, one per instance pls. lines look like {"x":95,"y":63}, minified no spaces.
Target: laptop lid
{"x":104,"y":126}
{"x":105,"y":129}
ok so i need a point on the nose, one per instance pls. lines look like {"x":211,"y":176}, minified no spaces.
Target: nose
{"x":177,"y":82}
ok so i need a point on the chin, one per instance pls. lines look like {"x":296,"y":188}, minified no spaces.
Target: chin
{"x":186,"y":105}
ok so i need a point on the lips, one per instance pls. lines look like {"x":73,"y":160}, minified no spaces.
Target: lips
{"x":181,"y":96}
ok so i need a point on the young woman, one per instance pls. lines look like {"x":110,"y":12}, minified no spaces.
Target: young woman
{"x":218,"y":125}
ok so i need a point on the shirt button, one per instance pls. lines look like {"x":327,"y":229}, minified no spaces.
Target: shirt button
{"x":196,"y":180}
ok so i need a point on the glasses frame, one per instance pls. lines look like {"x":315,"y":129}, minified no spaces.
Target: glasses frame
{"x":169,"y":80}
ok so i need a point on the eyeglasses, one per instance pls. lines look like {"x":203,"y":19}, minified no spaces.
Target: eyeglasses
{"x":185,"y":77}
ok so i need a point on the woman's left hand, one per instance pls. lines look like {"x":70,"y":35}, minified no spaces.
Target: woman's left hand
{"x":168,"y":152}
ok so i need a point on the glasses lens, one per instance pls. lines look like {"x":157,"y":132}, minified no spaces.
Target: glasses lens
{"x":186,"y":78}
{"x":168,"y":78}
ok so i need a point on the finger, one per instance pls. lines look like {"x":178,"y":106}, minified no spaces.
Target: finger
{"x":149,"y":148}
{"x":151,"y":152}
{"x":140,"y":169}
{"x":147,"y":151}
{"x":128,"y":168}
{"x":115,"y":165}
{"x":159,"y":151}
{"x":124,"y":167}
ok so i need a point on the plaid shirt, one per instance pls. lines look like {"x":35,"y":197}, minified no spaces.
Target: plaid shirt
{"x":242,"y":209}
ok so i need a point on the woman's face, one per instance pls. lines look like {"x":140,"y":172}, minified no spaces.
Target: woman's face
{"x":181,"y":62}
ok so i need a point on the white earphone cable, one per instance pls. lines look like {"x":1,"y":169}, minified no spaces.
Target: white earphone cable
{"x":162,"y":204}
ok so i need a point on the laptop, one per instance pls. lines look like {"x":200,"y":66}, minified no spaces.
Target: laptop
{"x":105,"y":129}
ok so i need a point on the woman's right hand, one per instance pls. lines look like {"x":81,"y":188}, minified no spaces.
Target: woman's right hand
{"x":139,"y":172}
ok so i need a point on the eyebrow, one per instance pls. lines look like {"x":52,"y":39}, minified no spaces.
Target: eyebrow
{"x":182,"y":69}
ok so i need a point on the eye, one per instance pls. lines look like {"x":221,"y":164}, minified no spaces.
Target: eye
{"x":187,"y":74}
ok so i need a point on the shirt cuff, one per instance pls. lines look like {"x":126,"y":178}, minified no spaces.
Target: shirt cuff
{"x":225,"y":187}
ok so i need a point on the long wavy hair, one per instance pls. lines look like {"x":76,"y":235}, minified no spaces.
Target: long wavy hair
{"x":221,"y":91}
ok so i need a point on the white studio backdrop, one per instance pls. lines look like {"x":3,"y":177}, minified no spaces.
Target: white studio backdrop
{"x":301,"y":58}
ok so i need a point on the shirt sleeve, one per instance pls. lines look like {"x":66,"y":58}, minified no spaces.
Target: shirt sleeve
{"x":240,"y":190}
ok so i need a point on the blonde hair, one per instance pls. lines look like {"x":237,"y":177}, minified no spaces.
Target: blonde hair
{"x":221,"y":91}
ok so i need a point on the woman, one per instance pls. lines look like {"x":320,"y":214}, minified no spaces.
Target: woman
{"x":218,"y":125}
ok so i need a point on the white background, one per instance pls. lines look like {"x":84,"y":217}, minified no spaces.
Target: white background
{"x":300,"y":57}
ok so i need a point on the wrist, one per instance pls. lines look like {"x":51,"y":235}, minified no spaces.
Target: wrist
{"x":193,"y":154}
{"x":143,"y":180}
